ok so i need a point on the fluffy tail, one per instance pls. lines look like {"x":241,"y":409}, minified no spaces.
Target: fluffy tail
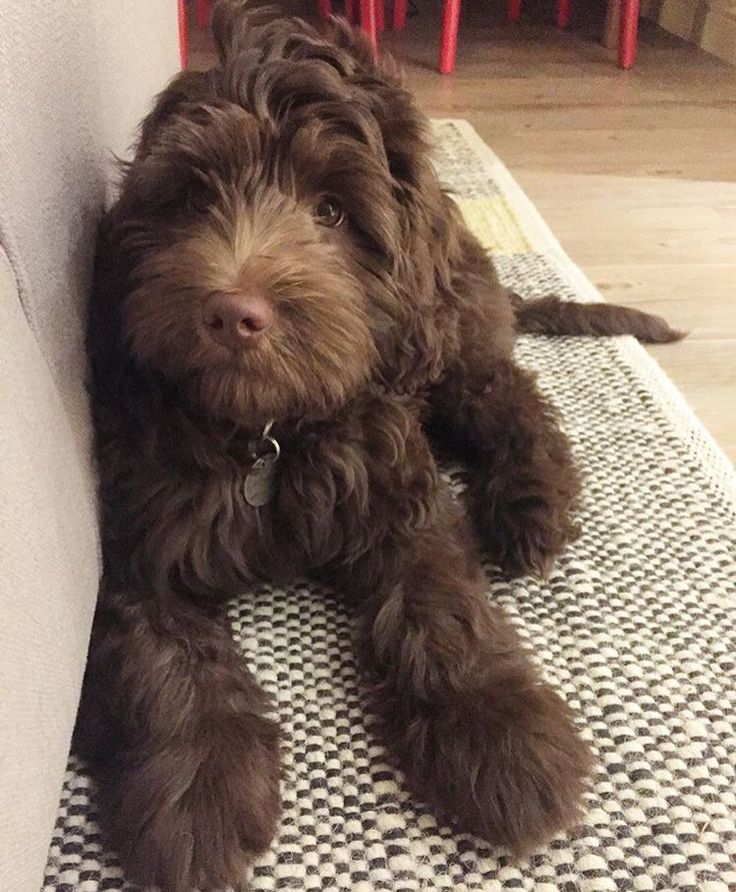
{"x":552,"y":316}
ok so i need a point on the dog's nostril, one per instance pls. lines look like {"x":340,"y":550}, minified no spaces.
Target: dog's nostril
{"x":253,"y":323}
{"x":216,"y":322}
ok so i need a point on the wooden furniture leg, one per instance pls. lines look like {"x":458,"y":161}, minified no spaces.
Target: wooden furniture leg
{"x":368,"y":22}
{"x":448,"y":40}
{"x":612,"y":28}
{"x":629,"y":33}
{"x":564,"y":11}
{"x":514,"y":10}
{"x":400,"y":9}
{"x":183,"y":34}
{"x":202,"y":12}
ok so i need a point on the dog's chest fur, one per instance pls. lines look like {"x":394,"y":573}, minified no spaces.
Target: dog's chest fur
{"x":177,"y":512}
{"x":175,"y":503}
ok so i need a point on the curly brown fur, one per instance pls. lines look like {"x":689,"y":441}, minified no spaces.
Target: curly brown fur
{"x":175,"y":726}
{"x":363,"y":334}
{"x":551,"y":316}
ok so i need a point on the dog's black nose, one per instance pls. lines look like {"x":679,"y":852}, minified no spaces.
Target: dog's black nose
{"x":236,"y":319}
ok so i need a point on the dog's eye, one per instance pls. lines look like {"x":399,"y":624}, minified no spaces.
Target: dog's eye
{"x":329,"y":212}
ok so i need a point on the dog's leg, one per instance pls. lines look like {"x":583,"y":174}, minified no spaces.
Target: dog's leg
{"x":523,"y":484}
{"x":175,"y":731}
{"x":476,"y":731}
{"x":478,"y":734}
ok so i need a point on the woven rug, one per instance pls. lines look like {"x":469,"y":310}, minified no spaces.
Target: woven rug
{"x":635,"y":627}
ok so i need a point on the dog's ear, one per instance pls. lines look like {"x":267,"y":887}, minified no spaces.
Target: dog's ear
{"x":433,"y":224}
{"x":378,"y":84}
{"x":185,"y":87}
{"x":438,"y":253}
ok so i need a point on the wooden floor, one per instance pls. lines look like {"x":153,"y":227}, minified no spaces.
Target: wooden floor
{"x":634,"y":172}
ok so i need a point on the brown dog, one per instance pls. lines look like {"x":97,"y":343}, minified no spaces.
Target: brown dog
{"x":282,"y":273}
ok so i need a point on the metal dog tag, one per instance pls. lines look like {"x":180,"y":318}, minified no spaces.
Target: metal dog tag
{"x":258,"y":486}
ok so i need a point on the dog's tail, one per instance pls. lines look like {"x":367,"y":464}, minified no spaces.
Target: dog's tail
{"x":552,"y":316}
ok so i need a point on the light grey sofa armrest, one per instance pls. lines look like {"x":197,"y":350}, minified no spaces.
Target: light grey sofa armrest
{"x":75,"y":79}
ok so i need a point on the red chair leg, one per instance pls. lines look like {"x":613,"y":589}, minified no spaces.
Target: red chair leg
{"x":368,"y":22}
{"x":325,"y":8}
{"x":380,"y":15}
{"x":183,"y":35}
{"x":448,"y":40}
{"x":202,"y":12}
{"x":564,"y":9}
{"x":400,"y":8}
{"x":629,"y":32}
{"x":350,"y":11}
{"x":514,"y":10}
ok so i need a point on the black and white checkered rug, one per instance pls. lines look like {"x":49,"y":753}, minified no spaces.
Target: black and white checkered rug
{"x":635,"y":627}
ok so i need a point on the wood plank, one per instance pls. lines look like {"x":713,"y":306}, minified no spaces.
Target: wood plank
{"x":705,"y":373}
{"x":692,"y":297}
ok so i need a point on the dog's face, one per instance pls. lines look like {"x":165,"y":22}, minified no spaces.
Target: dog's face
{"x":266,"y":228}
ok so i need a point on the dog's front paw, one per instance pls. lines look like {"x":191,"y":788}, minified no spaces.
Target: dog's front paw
{"x":529,"y":534}
{"x":509,"y":768}
{"x":525,"y":522}
{"x":195,"y":813}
